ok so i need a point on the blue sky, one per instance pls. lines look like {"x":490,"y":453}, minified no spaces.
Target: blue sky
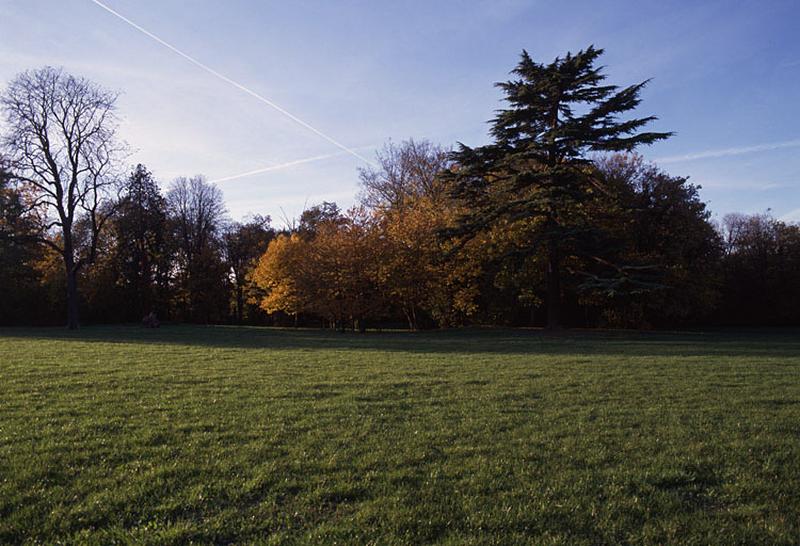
{"x":726,"y":79}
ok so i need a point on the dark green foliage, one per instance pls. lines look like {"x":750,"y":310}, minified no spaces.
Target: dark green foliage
{"x":23,"y":301}
{"x":244,"y":435}
{"x":141,"y":230}
{"x":560,"y":111}
{"x":661,"y":224}
{"x":201,"y":283}
{"x":761,"y":282}
{"x":243,"y":244}
{"x":537,"y":168}
{"x":553,"y":222}
{"x":313,"y":217}
{"x":135,"y":258}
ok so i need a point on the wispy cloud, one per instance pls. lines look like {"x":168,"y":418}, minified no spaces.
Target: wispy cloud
{"x":17,"y":61}
{"x":725,"y":152}
{"x":285,"y":165}
{"x":234,"y":83}
{"x":791,"y":216}
{"x":738,"y":184}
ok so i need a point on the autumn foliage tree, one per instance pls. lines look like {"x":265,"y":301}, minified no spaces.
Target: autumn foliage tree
{"x":411,"y":267}
{"x":556,"y":221}
{"x":281,"y":275}
{"x":334,"y":274}
{"x":409,"y":202}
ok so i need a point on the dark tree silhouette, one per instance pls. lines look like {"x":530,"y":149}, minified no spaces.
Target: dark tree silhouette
{"x":537,"y":166}
{"x":244,"y":243}
{"x":62,"y":147}
{"x":141,"y":250}
{"x":22,"y":293}
{"x":313,"y":217}
{"x":197,"y":214}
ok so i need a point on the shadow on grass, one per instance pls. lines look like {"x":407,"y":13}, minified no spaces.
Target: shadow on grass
{"x":756,"y":343}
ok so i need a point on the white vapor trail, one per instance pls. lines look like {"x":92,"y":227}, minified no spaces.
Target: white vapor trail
{"x":235,"y":84}
{"x":730,"y":151}
{"x":277,"y":167}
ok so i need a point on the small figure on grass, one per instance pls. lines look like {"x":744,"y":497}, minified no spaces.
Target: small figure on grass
{"x":151,"y":321}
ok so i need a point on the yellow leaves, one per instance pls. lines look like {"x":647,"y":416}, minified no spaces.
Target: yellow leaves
{"x":276,"y":274}
{"x":332,"y":275}
{"x":366,"y":264}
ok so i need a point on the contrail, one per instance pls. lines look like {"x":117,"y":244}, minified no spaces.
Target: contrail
{"x":730,"y":151}
{"x":277,"y":167}
{"x":236,"y":84}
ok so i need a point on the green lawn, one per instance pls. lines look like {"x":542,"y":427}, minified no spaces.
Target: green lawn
{"x":241,"y":435}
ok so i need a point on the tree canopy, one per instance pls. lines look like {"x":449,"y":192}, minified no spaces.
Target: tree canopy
{"x":537,"y":172}
{"x":557,"y":221}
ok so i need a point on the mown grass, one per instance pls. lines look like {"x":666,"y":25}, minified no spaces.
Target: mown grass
{"x":236,"y":435}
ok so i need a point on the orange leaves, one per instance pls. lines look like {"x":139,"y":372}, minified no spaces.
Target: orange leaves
{"x":277,"y":273}
{"x":335,"y":274}
{"x":375,"y":264}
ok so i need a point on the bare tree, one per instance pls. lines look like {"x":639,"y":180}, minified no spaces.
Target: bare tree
{"x":404,"y":172}
{"x":197,"y":212}
{"x":62,"y":146}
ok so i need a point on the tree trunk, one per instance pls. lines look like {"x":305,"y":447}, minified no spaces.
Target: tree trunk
{"x":410,"y":319}
{"x":72,"y":297}
{"x":553,"y":286}
{"x":239,"y":303}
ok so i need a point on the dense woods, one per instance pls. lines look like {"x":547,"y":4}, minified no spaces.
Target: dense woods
{"x":556,"y":222}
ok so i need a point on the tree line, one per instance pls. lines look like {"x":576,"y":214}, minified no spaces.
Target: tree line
{"x":556,"y":222}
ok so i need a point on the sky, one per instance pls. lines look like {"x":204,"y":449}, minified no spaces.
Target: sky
{"x":305,"y":91}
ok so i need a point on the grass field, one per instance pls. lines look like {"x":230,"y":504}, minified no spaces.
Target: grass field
{"x":237,"y":435}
